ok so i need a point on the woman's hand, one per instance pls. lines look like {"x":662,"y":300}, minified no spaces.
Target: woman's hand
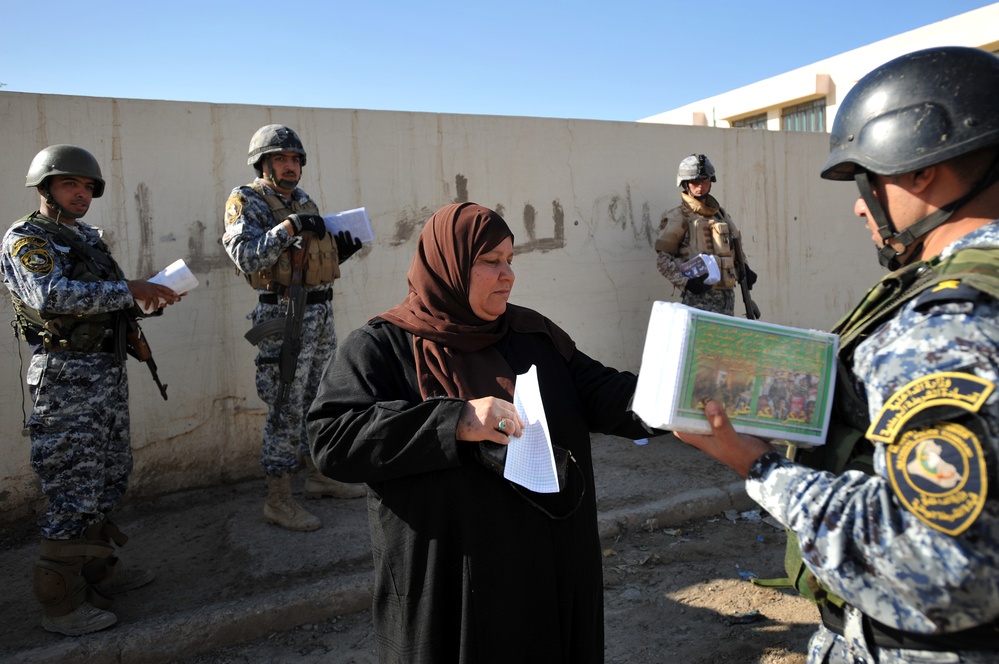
{"x":725,"y":444}
{"x":489,"y":419}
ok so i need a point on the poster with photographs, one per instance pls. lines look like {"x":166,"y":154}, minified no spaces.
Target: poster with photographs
{"x":774,"y":381}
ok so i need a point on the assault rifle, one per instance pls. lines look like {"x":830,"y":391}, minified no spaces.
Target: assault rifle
{"x":752,"y":311}
{"x":291,"y":326}
{"x":138,"y":347}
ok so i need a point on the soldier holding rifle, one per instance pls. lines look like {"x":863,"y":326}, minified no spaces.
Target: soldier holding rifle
{"x":278,"y":240}
{"x":700,"y":226}
{"x":74,"y":307}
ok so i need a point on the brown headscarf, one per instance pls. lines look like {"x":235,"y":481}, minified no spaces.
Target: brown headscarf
{"x":454,"y":348}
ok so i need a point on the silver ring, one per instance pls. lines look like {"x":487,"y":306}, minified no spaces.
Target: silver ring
{"x":502,"y":425}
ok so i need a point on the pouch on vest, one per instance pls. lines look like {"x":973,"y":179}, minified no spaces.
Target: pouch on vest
{"x":729,"y":277}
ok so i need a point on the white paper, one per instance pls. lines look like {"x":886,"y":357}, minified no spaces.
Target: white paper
{"x":530,"y":461}
{"x":658,"y":378}
{"x":176,"y":276}
{"x":355,"y":222}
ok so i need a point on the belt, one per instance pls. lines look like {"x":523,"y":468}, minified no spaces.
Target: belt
{"x":312,"y":297}
{"x":983,"y":637}
{"x":106,"y":346}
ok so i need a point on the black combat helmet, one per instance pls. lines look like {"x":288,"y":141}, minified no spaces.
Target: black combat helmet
{"x":915,"y":111}
{"x":64,"y":160}
{"x":273,"y":138}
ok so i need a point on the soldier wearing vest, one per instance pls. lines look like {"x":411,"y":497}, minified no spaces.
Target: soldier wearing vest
{"x":265,"y":222}
{"x":896,"y":518}
{"x":699,"y":225}
{"x":72,"y":305}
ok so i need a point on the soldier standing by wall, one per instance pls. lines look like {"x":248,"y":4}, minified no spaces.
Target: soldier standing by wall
{"x":699,"y":225}
{"x":278,"y":240}
{"x":896,"y":517}
{"x":75,"y":309}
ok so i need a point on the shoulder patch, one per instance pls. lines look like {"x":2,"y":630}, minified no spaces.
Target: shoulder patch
{"x":37,"y":260}
{"x":234,"y":207}
{"x":31,"y":241}
{"x":939,"y":475}
{"x":937,"y":468}
{"x":946,"y":388}
{"x":951,"y":290}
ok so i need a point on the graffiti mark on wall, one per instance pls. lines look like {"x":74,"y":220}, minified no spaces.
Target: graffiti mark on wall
{"x":534,"y":243}
{"x":621,"y":213}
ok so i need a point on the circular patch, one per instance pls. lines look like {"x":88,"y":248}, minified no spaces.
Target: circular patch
{"x":938,"y":473}
{"x":37,"y":261}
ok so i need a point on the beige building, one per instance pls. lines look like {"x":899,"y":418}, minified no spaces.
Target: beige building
{"x":806,"y":99}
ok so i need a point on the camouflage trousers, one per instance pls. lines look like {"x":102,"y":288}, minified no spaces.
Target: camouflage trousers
{"x":80,"y":447}
{"x":718,"y":301}
{"x":825,"y":647}
{"x":285,"y":436}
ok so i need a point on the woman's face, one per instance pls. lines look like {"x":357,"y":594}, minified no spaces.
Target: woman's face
{"x":491,"y":281}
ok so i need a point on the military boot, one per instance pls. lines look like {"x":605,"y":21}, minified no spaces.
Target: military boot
{"x":282,"y":510}
{"x":110,"y":576}
{"x":318,"y":485}
{"x":84,"y":619}
{"x":67,"y":599}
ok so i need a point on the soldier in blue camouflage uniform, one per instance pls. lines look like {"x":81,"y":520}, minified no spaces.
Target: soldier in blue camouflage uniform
{"x":264,"y":222}
{"x":71,"y":300}
{"x":699,"y":225}
{"x":898,"y":528}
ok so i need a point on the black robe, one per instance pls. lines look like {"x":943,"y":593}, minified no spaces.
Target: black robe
{"x":466,"y":568}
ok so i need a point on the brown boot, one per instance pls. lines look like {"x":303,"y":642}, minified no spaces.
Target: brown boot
{"x":110,"y":576}
{"x":67,"y":599}
{"x":318,"y":485}
{"x":282,"y":510}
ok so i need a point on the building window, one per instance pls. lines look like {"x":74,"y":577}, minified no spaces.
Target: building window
{"x":758,"y":121}
{"x":810,"y":116}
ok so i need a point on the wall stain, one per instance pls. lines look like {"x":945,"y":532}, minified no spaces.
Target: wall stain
{"x":144,"y":205}
{"x":197,"y":259}
{"x":460,"y":188}
{"x":409,"y":224}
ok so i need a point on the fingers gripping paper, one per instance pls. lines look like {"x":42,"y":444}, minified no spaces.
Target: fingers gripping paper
{"x":530,"y":461}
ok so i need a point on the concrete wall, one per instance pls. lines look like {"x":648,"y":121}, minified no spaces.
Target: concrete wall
{"x":583,"y":198}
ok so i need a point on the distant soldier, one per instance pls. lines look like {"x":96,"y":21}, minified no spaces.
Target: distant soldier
{"x":698,"y":226}
{"x":894,"y":523}
{"x":272,"y":229}
{"x":76,"y":310}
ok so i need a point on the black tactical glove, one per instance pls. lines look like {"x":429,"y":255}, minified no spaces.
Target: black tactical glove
{"x":697,"y":285}
{"x":346,"y":246}
{"x":308,"y":223}
{"x":750,"y":278}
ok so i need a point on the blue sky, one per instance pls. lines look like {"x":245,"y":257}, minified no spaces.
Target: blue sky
{"x":622,"y":60}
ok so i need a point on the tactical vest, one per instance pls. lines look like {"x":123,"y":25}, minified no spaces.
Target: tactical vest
{"x":847,"y":447}
{"x":74,"y":332}
{"x":700,"y":228}
{"x":321,"y":261}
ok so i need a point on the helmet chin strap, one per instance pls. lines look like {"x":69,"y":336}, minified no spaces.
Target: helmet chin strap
{"x":887,"y":255}
{"x":51,"y":201}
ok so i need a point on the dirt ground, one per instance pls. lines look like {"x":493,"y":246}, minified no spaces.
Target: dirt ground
{"x":670,"y":595}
